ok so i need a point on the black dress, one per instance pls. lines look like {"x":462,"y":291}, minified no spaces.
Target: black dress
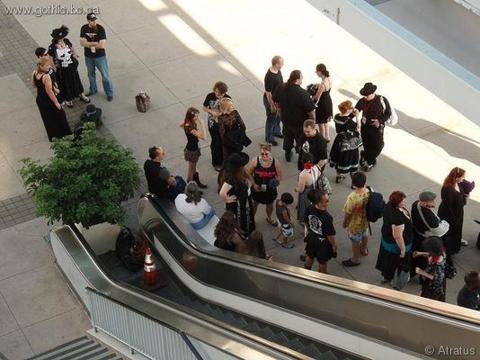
{"x":451,"y":210}
{"x":389,"y":255}
{"x":344,"y":161}
{"x":243,"y":207}
{"x":191,"y":151}
{"x":324,"y":110}
{"x":263,"y":177}
{"x":67,"y":74}
{"x":55,"y":120}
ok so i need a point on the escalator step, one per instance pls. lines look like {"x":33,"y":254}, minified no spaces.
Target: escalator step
{"x":296,"y":344}
{"x":266,"y":333}
{"x":252,"y":328}
{"x":241,"y":322}
{"x":328,"y":355}
{"x":316,"y":353}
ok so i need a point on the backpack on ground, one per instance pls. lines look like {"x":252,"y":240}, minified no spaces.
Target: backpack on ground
{"x":142,"y":100}
{"x":130,"y":249}
{"x":375,"y":205}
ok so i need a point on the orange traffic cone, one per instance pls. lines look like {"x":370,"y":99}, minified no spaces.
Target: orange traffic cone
{"x":150,"y":273}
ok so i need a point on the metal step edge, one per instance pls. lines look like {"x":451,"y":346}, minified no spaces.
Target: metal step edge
{"x":80,"y":352}
{"x":101,"y":351}
{"x":73,"y":343}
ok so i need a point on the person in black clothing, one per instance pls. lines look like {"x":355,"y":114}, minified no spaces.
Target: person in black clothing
{"x":451,"y":210}
{"x":228,"y":235}
{"x":53,"y":116}
{"x":273,"y":79}
{"x":320,"y":232}
{"x":211,"y":107}
{"x":323,"y":101}
{"x":375,"y":111}
{"x":345,"y":161}
{"x":312,"y":142}
{"x":397,"y":236}
{"x":469,"y":295}
{"x":296,"y":106}
{"x":42,"y":52}
{"x":66,"y":61}
{"x":160,"y":182}
{"x":425,"y":223}
{"x":194,"y":131}
{"x":94,"y":38}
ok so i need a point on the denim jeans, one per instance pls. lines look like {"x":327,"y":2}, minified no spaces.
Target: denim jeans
{"x":101,"y":64}
{"x":272,"y":125}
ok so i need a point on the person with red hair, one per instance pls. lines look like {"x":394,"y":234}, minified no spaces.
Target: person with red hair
{"x":397,"y":236}
{"x":451,"y":210}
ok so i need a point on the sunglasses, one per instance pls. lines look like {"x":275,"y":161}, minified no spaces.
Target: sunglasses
{"x":264,"y":153}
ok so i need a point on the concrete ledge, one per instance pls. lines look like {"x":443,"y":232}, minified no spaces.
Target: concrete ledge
{"x":472,"y":5}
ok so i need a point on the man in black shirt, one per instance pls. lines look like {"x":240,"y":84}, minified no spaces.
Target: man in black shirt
{"x":273,"y":79}
{"x":160,"y":182}
{"x":210,"y":106}
{"x":93,"y":38}
{"x":375,"y":111}
{"x":469,"y":295}
{"x":296,"y":106}
{"x":312,"y":142}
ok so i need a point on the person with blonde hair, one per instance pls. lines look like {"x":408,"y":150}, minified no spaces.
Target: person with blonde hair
{"x":273,"y":79}
{"x":53,"y":116}
{"x":231,"y":128}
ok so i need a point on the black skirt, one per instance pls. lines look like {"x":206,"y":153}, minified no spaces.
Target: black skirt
{"x":69,"y":82}
{"x":343,"y":162}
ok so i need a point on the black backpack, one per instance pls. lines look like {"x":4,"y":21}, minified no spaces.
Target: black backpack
{"x":375,"y":205}
{"x":130,"y":249}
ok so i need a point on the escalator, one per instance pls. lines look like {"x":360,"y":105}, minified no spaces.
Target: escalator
{"x":272,"y":309}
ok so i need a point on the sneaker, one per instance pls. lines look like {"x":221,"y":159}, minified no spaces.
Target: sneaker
{"x":278,"y":241}
{"x":109,"y":98}
{"x":288,"y":155}
{"x":367,"y":167}
{"x":464,"y":242}
{"x":303,"y":257}
{"x":274,"y":143}
{"x":90,"y":93}
{"x":288,"y":245}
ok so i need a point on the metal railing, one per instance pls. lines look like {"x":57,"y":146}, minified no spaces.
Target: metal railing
{"x":140,"y":333}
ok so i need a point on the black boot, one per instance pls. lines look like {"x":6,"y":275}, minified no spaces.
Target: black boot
{"x":197,"y":180}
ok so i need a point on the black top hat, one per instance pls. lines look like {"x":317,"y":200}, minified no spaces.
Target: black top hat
{"x":92,"y":113}
{"x":59,"y":33}
{"x":235,"y":161}
{"x":368,"y":89}
{"x":433,"y":245}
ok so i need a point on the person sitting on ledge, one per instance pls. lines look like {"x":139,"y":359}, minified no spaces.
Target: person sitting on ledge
{"x":160,"y":182}
{"x":197,"y":211}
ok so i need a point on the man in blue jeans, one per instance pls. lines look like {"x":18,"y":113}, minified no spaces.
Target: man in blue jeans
{"x":93,"y":39}
{"x":273,"y":79}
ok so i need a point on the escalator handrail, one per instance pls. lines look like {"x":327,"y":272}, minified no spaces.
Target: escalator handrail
{"x":86,"y":261}
{"x":191,"y":238}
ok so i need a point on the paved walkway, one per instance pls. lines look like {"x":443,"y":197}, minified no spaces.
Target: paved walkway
{"x":176,"y":50}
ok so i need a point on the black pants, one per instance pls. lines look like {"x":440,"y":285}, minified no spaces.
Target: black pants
{"x":291,"y":134}
{"x":216,"y":146}
{"x":372,"y":143}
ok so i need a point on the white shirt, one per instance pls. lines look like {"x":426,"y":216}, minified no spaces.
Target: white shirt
{"x":193,"y":213}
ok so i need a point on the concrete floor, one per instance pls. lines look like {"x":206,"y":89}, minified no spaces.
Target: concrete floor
{"x":176,"y":50}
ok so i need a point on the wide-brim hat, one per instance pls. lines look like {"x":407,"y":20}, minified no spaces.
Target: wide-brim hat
{"x":235,"y":161}
{"x":433,"y":245}
{"x":368,"y":89}
{"x":92,"y":112}
{"x":60,"y":32}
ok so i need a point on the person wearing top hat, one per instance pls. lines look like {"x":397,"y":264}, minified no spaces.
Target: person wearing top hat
{"x":236,"y":191}
{"x":91,"y":114}
{"x":434,"y":284}
{"x":375,"y":111}
{"x":66,"y":58}
{"x":93,"y":38}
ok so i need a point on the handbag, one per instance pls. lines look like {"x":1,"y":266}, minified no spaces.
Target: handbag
{"x":142,"y":100}
{"x":439,"y":231}
{"x":393,"y":118}
{"x":320,"y":181}
{"x":350,"y":142}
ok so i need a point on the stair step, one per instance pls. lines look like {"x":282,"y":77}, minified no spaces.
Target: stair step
{"x":61,"y":349}
{"x":328,"y":355}
{"x":83,"y":348}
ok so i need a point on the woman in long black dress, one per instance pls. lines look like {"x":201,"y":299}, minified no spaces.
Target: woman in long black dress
{"x":236,"y":191}
{"x":66,"y":61}
{"x":451,"y":210}
{"x":346,"y":125}
{"x":53,"y":115}
{"x":324,"y":111}
{"x":397,"y":236}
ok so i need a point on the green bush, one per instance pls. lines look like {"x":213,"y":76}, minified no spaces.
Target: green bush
{"x":84,"y":182}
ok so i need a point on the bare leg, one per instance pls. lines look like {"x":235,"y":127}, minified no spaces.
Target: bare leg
{"x":308,"y":263}
{"x":269,"y":208}
{"x":356,"y":251}
{"x":191,"y":169}
{"x":364,"y":246}
{"x":322,"y":268}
